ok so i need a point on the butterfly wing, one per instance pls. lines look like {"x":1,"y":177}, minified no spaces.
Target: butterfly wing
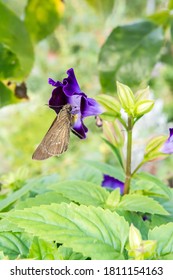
{"x":56,"y":140}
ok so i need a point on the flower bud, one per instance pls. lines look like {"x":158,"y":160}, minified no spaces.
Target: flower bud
{"x":126,"y":98}
{"x":142,"y":107}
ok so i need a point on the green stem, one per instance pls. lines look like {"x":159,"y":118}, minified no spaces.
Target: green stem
{"x":136,"y":169}
{"x":129,"y":155}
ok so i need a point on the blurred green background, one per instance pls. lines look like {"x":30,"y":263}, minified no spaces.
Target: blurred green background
{"x":76,"y":42}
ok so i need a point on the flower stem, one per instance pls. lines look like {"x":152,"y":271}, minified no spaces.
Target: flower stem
{"x":136,"y":169}
{"x":129,"y":155}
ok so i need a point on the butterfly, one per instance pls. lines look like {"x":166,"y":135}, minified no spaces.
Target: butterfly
{"x":56,"y":140}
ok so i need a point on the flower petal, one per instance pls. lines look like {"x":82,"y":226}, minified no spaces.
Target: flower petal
{"x":112,"y":183}
{"x":90,"y":107}
{"x":58,"y":99}
{"x":79,"y":128}
{"x":70,"y":84}
{"x":168,"y":146}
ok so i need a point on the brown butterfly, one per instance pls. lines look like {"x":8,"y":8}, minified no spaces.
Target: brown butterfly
{"x":56,"y":140}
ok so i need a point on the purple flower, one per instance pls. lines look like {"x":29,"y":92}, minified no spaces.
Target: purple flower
{"x":112,"y":183}
{"x":168,"y":145}
{"x":69,"y":92}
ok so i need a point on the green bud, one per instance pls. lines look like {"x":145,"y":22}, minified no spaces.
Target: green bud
{"x":113,"y":199}
{"x":152,"y":150}
{"x":111,"y":105}
{"x":135,"y":237}
{"x":142,"y":94}
{"x":149,"y":248}
{"x":140,"y":249}
{"x":142,"y":107}
{"x":126,"y":98}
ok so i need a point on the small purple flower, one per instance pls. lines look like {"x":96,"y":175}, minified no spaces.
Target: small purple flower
{"x":69,"y":92}
{"x":168,"y":145}
{"x":112,"y":183}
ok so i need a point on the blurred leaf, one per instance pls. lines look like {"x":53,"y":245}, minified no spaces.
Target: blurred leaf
{"x":164,"y":237}
{"x":141,"y":203}
{"x":14,"y":244}
{"x":6,"y":95}
{"x":92,"y":231}
{"x":34,"y":184}
{"x":160,"y":18}
{"x":115,"y":151}
{"x":43,"y":17}
{"x":88,"y":173}
{"x":82,"y":192}
{"x":170,"y":4}
{"x":102,"y":7}
{"x":107,"y":169}
{"x":16,"y":49}
{"x":42,"y":250}
{"x":129,"y":54}
{"x":150,"y":185}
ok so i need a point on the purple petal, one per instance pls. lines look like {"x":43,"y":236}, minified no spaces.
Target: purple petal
{"x":90,"y":107}
{"x":53,"y":83}
{"x":112,"y":183}
{"x":79,"y":128}
{"x":70,"y":84}
{"x":58,"y":99}
{"x":168,"y":146}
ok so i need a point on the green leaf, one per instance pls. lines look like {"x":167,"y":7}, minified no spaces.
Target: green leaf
{"x":103,"y":7}
{"x":42,"y":199}
{"x":108,"y":169}
{"x":141,"y":203}
{"x":164,"y":237}
{"x":14,"y":244}
{"x":150,"y":185}
{"x":167,"y":204}
{"x":129,"y":54}
{"x":6,"y":95}
{"x":92,"y":231}
{"x":82,"y":192}
{"x":16,"y":49}
{"x":46,"y":17}
{"x":170,"y":4}
{"x":36,"y":185}
{"x":161,"y":17}
{"x":68,"y":254}
{"x":42,"y":250}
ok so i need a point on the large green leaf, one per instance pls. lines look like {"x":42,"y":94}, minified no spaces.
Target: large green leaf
{"x":141,"y":203}
{"x":92,"y":231}
{"x":82,"y":192}
{"x":42,"y":17}
{"x":16,"y":49}
{"x":129,"y":54}
{"x":14,"y":244}
{"x":164,"y":237}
